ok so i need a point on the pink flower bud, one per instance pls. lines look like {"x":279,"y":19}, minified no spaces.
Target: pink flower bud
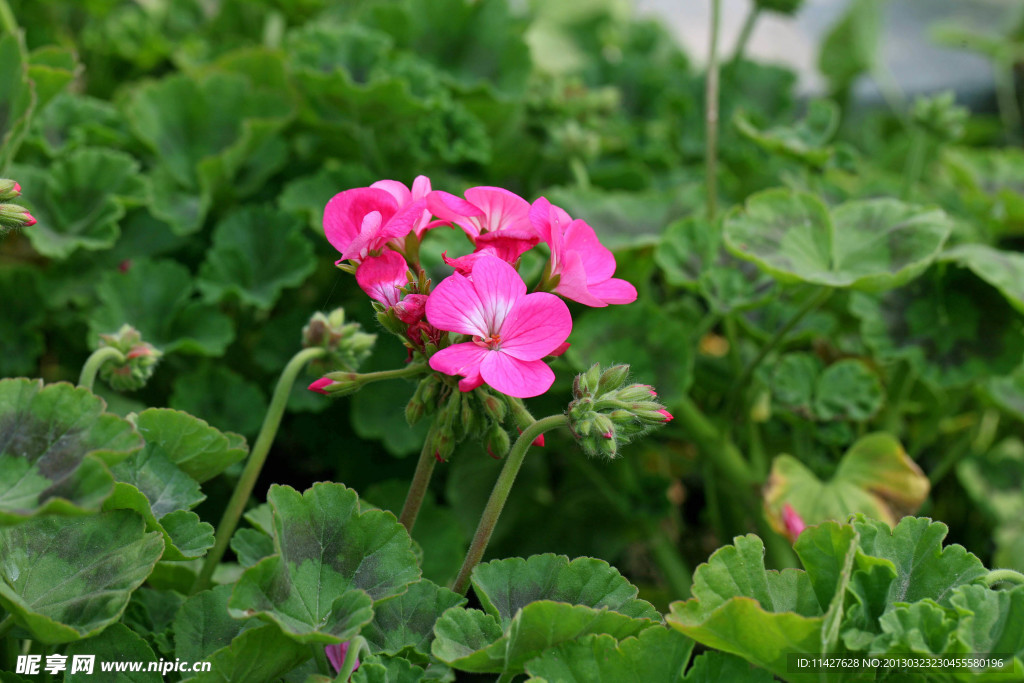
{"x":794,"y":523}
{"x":29,"y":220}
{"x":668,"y":415}
{"x":411,"y":309}
{"x":336,"y":655}
{"x":321,"y":384}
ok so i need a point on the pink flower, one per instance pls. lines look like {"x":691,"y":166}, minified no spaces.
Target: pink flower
{"x":794,"y":523}
{"x":29,"y":220}
{"x":382,"y":277}
{"x":365,"y":220}
{"x":320,"y":385}
{"x":491,"y":217}
{"x":336,"y":655}
{"x":583,"y":265}
{"x":512,"y":330}
{"x":405,"y":197}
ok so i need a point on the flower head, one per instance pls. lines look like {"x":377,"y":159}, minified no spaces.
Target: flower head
{"x":511,"y":330}
{"x":582,"y":265}
{"x":363,"y":221}
{"x":406,"y":197}
{"x":491,"y":217}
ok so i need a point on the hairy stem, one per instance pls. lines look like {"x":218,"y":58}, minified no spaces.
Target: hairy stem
{"x":1003,"y":576}
{"x":420,"y":483}
{"x":915,"y":164}
{"x":499,"y":494}
{"x":746,"y":32}
{"x":97,"y":360}
{"x":355,"y":648}
{"x":253,"y":466}
{"x":711,"y":113}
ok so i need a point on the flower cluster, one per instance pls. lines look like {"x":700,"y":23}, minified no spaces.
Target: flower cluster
{"x":12,"y":215}
{"x":140,"y":359}
{"x":479,"y":323}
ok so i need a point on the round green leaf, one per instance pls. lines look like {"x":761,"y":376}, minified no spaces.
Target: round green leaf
{"x":257,"y":252}
{"x":80,"y":199}
{"x":257,"y":655}
{"x":805,"y":141}
{"x":116,"y":644}
{"x":202,"y":625}
{"x":155,"y":297}
{"x":506,"y":586}
{"x":404,"y":625}
{"x":792,"y":380}
{"x":713,"y":666}
{"x":332,"y":563}
{"x":848,"y":390}
{"x":223,"y":397}
{"x":188,"y":443}
{"x":874,"y":477}
{"x":1008,"y":392}
{"x":868,"y":245}
{"x":1004,"y":270}
{"x":657,"y":654}
{"x":67,"y":578}
{"x":56,"y":443}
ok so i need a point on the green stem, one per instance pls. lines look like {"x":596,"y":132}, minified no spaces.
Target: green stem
{"x":711,"y":113}
{"x":506,"y":677}
{"x":97,"y":360}
{"x":411,"y":370}
{"x":1003,"y":575}
{"x":735,"y":362}
{"x":1006,"y":97}
{"x":355,"y":648}
{"x":748,"y":29}
{"x":499,"y":494}
{"x":812,"y":303}
{"x":420,"y":483}
{"x":321,"y":659}
{"x":258,"y":455}
{"x":722,"y":453}
{"x":915,"y":164}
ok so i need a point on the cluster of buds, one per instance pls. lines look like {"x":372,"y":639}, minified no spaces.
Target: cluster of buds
{"x":606,"y":413}
{"x":140,"y":360}
{"x":480,"y":414}
{"x":12,"y":215}
{"x":940,"y":117}
{"x":346,"y":344}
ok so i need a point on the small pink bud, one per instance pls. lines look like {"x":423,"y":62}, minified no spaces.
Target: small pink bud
{"x":17,"y":187}
{"x":437,"y":456}
{"x":539,"y":441}
{"x":794,"y":523}
{"x":650,"y":389}
{"x":336,"y":655}
{"x":321,"y":384}
{"x":29,"y":220}
{"x":125,"y":265}
{"x":608,"y":435}
{"x":668,"y":415}
{"x":139,"y":351}
{"x":411,"y":309}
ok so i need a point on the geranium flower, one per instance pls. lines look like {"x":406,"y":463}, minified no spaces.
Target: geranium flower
{"x":405,"y":197}
{"x":583,"y":266}
{"x":365,"y":220}
{"x":512,"y":330}
{"x":382,"y":277}
{"x":491,"y":217}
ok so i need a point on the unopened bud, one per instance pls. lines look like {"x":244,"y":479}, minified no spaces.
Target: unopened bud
{"x":9,"y":190}
{"x":13,"y":216}
{"x":140,"y":360}
{"x":389,"y":319}
{"x":494,"y":406}
{"x":612,"y":378}
{"x":337,"y":384}
{"x":347,"y":345}
{"x":497,"y":442}
{"x":411,"y":309}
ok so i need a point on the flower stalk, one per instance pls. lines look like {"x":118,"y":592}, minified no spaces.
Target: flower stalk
{"x":254,"y":465}
{"x":97,"y":360}
{"x":420,"y":482}
{"x":499,"y":494}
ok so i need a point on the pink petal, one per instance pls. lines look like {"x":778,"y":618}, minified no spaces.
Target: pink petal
{"x":537,"y":325}
{"x":598,"y":260}
{"x":460,"y":359}
{"x":514,"y":377}
{"x":452,"y":209}
{"x":614,"y":291}
{"x":396,"y":189}
{"x":562,"y":348}
{"x":405,"y":220}
{"x":501,"y":209}
{"x":470,"y":383}
{"x":455,"y":306}
{"x":498,"y":287}
{"x":344,"y":213}
{"x":382,"y":277}
{"x":420,"y":187}
{"x":411,"y":308}
{"x":364,"y":241}
{"x":573,"y":282}
{"x":318,"y":385}
{"x":510,"y":244}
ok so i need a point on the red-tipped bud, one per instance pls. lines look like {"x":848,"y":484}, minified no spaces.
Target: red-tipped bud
{"x":320,"y":386}
{"x":29,"y":220}
{"x":793,"y":521}
{"x":668,"y":415}
{"x":412,"y":308}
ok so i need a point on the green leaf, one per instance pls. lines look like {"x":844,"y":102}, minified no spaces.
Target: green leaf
{"x":257,"y":252}
{"x":152,"y":472}
{"x":388,"y":670}
{"x":24,"y":308}
{"x":506,"y":586}
{"x":740,"y":608}
{"x":404,"y":625}
{"x":805,"y":141}
{"x":72,"y":121}
{"x":202,"y":625}
{"x":1004,"y":270}
{"x":67,"y":578}
{"x":712,"y":667}
{"x":470,"y":640}
{"x":990,"y":621}
{"x":51,"y":69}
{"x":204,"y":132}
{"x":848,"y":390}
{"x":185,"y":536}
{"x":993,"y":480}
{"x":150,"y":613}
{"x":875,"y":477}
{"x":155,"y":297}
{"x":257,"y":655}
{"x":1008,"y":393}
{"x":17,"y":97}
{"x":793,"y":379}
{"x":251,"y":546}
{"x":686,"y":249}
{"x":56,"y":443}
{"x":226,"y":399}
{"x":332,"y":564}
{"x":657,"y":654}
{"x":947,"y":325}
{"x":117,"y":643}
{"x":851,"y":46}
{"x":80,"y":200}
{"x":869,"y":245}
{"x":196,"y":448}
